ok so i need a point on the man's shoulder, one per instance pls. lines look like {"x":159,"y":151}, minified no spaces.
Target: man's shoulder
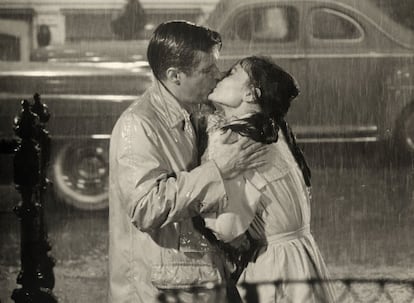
{"x":141,"y":109}
{"x":139,"y":114}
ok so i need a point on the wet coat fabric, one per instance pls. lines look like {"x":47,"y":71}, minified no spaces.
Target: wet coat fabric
{"x":272,"y":202}
{"x":155,"y":188}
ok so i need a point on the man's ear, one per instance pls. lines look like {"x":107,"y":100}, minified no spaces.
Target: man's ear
{"x":173,"y":75}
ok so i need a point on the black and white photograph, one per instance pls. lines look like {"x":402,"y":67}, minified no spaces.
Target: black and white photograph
{"x":212,"y":151}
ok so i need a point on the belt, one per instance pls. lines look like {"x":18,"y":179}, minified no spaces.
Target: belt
{"x":288,"y":236}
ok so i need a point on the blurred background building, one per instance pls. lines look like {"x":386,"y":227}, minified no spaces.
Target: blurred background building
{"x":57,"y":22}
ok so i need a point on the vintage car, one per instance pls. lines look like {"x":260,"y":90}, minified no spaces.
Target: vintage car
{"x":84,"y":101}
{"x":354,"y":64}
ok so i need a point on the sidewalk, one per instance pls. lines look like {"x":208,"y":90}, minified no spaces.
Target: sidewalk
{"x":86,"y":283}
{"x":71,"y":286}
{"x":79,"y":244}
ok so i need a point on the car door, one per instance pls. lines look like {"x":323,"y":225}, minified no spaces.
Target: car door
{"x":345,"y":87}
{"x":274,"y":29}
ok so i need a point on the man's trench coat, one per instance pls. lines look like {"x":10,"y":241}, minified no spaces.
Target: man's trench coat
{"x":155,"y":187}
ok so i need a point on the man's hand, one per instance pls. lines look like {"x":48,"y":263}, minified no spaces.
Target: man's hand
{"x":240,"y":243}
{"x":234,"y":158}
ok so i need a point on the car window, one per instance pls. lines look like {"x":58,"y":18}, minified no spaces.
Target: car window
{"x":329,"y":24}
{"x":98,"y":26}
{"x":266,"y":23}
{"x":9,"y":48}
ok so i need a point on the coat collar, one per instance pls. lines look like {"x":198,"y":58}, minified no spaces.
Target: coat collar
{"x":218,"y":120}
{"x":169,"y":107}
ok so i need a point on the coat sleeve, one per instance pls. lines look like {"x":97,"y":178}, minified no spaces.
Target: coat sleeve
{"x":151,"y":194}
{"x":235,"y":218}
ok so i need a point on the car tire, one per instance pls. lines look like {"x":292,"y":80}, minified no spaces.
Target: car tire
{"x":405,"y":132}
{"x":80,"y":175}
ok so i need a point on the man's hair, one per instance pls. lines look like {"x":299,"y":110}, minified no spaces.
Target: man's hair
{"x":176,"y":43}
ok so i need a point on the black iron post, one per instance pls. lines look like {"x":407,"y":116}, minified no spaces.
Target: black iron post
{"x":31,"y":156}
{"x":8,"y":145}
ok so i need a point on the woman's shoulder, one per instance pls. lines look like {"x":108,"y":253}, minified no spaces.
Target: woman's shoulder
{"x":278,"y":163}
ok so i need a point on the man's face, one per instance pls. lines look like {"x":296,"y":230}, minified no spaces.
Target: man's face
{"x":196,"y":86}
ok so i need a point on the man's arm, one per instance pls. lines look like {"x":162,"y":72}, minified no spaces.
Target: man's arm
{"x":152,"y":195}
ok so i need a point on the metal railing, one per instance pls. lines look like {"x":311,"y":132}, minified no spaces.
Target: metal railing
{"x":346,"y":290}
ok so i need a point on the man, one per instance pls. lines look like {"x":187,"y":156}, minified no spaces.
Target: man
{"x":156,"y":183}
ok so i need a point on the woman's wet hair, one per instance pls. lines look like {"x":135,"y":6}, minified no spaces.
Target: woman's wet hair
{"x":176,"y":44}
{"x":276,"y":86}
{"x":273,"y":89}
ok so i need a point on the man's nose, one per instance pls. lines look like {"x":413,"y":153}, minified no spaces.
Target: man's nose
{"x":221,"y":75}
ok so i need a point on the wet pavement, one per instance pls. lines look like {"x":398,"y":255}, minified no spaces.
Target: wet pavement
{"x":362,"y":214}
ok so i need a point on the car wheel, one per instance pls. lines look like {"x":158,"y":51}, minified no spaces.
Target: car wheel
{"x":405,"y":130}
{"x":80,"y":175}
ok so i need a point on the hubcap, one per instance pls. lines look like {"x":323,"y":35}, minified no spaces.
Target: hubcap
{"x":86,"y":171}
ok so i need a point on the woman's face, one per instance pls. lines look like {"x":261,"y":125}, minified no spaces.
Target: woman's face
{"x":231,"y":90}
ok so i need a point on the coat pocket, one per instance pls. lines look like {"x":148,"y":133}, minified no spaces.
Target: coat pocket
{"x":179,"y":276}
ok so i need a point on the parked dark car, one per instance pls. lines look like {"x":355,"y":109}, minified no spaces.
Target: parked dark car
{"x":84,"y":102}
{"x":355,"y":67}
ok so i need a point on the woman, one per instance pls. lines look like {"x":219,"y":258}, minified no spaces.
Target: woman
{"x":272,"y":202}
